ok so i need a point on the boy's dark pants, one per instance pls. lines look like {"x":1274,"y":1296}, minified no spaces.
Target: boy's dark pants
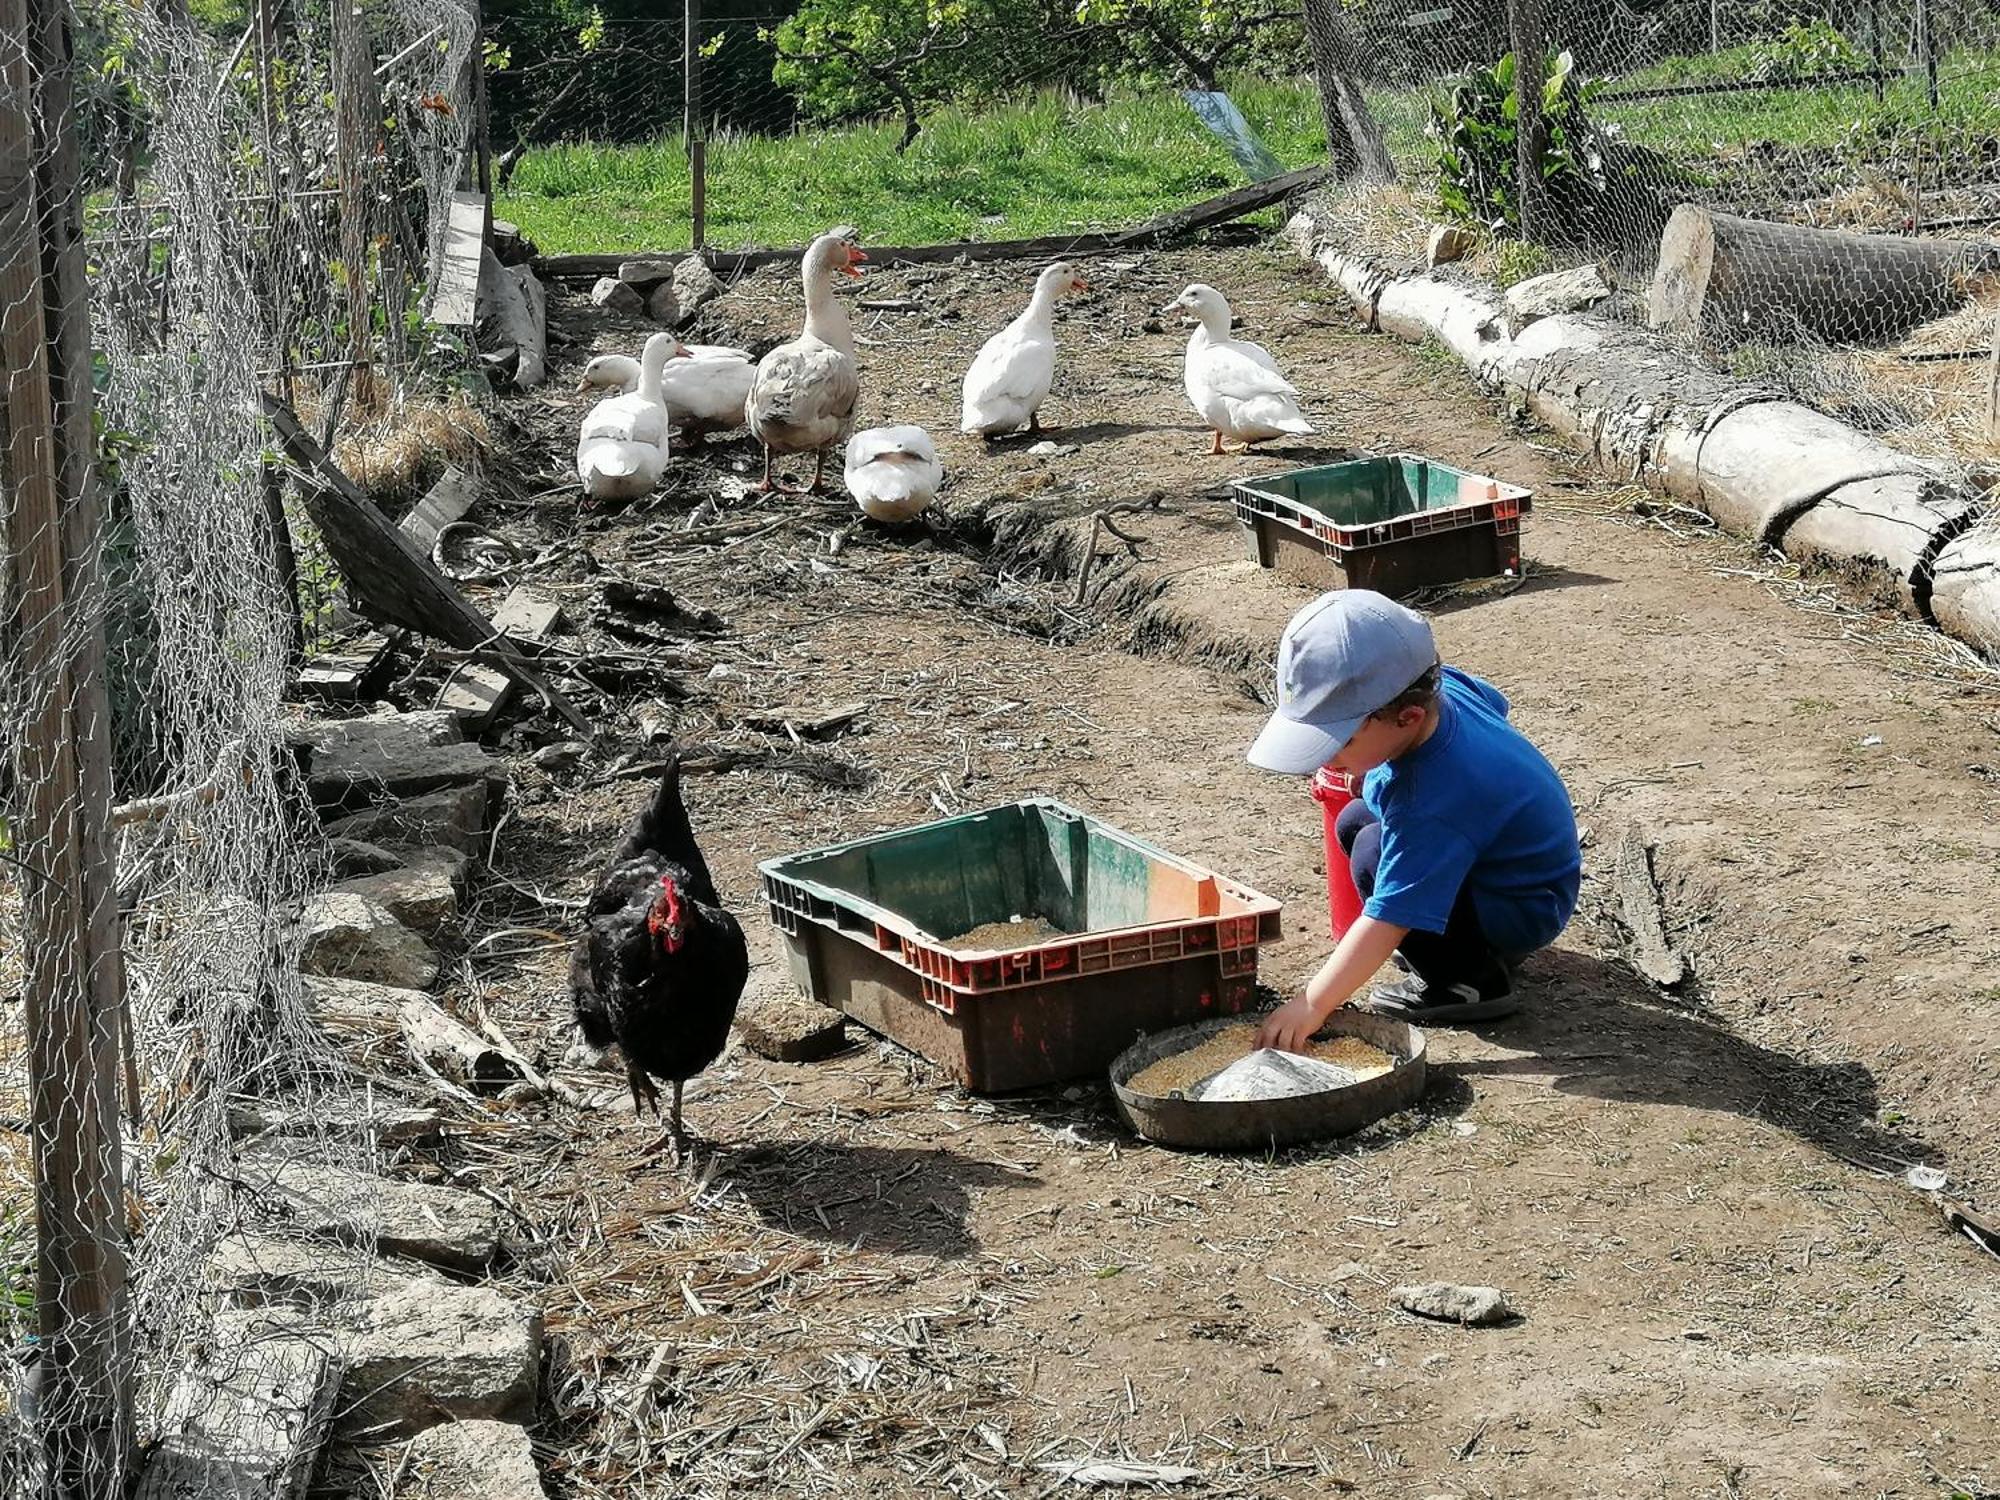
{"x":1458,"y":955}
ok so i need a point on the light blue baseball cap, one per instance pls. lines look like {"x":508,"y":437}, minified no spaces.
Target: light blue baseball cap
{"x":1343,"y":656}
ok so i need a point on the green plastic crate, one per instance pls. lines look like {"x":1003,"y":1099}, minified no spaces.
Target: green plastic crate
{"x":1394,"y":523}
{"x":1147,"y":940}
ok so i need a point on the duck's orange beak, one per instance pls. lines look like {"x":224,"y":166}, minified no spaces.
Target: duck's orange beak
{"x":855,"y":256}
{"x":1078,"y":284}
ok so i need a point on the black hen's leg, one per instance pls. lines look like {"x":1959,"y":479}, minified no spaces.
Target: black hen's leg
{"x":674,"y":1128}
{"x":643,"y":1092}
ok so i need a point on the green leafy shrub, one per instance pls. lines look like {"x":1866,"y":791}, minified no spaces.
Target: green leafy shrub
{"x":1477,"y":133}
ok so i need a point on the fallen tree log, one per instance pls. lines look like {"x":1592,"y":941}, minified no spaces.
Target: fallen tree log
{"x":1760,"y":465}
{"x":1723,"y":277}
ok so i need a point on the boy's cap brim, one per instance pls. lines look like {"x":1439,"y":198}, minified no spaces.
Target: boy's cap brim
{"x":1296,"y":749}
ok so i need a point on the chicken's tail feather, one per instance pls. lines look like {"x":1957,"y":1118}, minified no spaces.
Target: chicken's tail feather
{"x":663,"y":829}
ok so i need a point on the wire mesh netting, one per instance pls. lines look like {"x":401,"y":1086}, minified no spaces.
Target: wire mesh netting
{"x":255,"y":205}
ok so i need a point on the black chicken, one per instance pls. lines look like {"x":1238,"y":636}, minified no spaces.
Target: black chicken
{"x":660,"y":965}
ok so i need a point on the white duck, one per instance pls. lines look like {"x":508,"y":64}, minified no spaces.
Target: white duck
{"x":621,"y":450}
{"x":893,"y":472}
{"x":1233,"y":383}
{"x":802,"y":398}
{"x":703,"y":393}
{"x":1011,"y":375}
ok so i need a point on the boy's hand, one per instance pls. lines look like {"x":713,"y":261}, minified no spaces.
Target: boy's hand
{"x":1291,"y":1025}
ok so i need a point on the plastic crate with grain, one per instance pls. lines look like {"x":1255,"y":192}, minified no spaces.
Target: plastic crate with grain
{"x":1395,"y":524}
{"x":1019,"y":946}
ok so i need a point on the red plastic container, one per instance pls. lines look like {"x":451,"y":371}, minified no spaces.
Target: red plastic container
{"x":1331,"y":791}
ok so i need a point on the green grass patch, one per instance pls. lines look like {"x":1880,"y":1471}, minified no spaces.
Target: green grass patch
{"x":1043,"y":166}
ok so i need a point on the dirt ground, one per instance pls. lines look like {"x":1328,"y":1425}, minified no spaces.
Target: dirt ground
{"x":872,"y":1283}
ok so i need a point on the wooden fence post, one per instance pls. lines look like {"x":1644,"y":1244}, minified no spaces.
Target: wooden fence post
{"x":1528,"y":22}
{"x":696,"y":130}
{"x":75,"y":978}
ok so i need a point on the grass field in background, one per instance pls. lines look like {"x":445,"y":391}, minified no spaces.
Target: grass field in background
{"x":1047,"y":166}
{"x":1039,"y":167}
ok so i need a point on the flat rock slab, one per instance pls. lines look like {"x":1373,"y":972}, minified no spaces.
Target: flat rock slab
{"x":470,"y":1461}
{"x":248,"y":1419}
{"x":454,"y":818}
{"x":347,"y":936}
{"x":352,"y":1118}
{"x":417,"y":1349}
{"x":358,"y":761}
{"x":528,"y":616}
{"x":422,"y":897}
{"x":790,"y":1028}
{"x":1476,"y":1306}
{"x":441,"y":1226}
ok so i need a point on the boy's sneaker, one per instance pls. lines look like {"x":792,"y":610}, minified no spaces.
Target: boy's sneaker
{"x":1414,"y":1000}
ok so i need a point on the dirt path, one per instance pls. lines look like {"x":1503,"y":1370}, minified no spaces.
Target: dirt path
{"x":877,"y":1285}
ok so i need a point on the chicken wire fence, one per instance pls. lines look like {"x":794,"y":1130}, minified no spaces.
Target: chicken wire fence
{"x":256,"y":206}
{"x":1877,"y":116}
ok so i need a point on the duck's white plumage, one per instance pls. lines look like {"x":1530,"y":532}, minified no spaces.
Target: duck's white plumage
{"x":1011,"y":375}
{"x":702,"y":393}
{"x":1234,"y":384}
{"x":802,"y":396}
{"x":893,"y":472}
{"x":621,"y":450}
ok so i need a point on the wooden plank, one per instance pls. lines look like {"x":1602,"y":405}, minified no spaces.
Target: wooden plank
{"x":345,"y":675}
{"x":527,"y":616}
{"x":1209,"y":212}
{"x":390,"y":575}
{"x":451,"y":497}
{"x":455,"y":302}
{"x":478,"y":695}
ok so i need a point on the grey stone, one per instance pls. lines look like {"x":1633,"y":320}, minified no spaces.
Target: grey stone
{"x":1557,"y":292}
{"x":644,"y":274}
{"x":418,"y":1350}
{"x":696,"y":285}
{"x":527,"y":616}
{"x":562,"y":759}
{"x":617,"y":296}
{"x":247,"y":1418}
{"x":442,"y":1226}
{"x":347,"y":936}
{"x":359,"y":761}
{"x":661,"y":305}
{"x":472,"y":1460}
{"x":455,"y":817}
{"x":421,"y":897}
{"x":1449,"y":1303}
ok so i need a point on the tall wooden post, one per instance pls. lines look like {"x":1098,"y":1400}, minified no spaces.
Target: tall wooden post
{"x":1527,"y":20}
{"x":357,"y":121}
{"x":481,"y":127}
{"x":695,"y":128}
{"x":1927,"y":50}
{"x":75,"y":971}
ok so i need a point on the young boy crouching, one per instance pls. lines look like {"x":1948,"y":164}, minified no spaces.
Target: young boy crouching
{"x":1462,"y":840}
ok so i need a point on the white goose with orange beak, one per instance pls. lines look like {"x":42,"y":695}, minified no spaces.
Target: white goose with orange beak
{"x":802,"y":399}
{"x":1234,"y":384}
{"x":1011,"y":375}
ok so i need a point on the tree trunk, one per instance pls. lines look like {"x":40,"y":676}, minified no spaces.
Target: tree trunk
{"x":1353,"y":139}
{"x":1528,"y":25}
{"x":1731,"y":278}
